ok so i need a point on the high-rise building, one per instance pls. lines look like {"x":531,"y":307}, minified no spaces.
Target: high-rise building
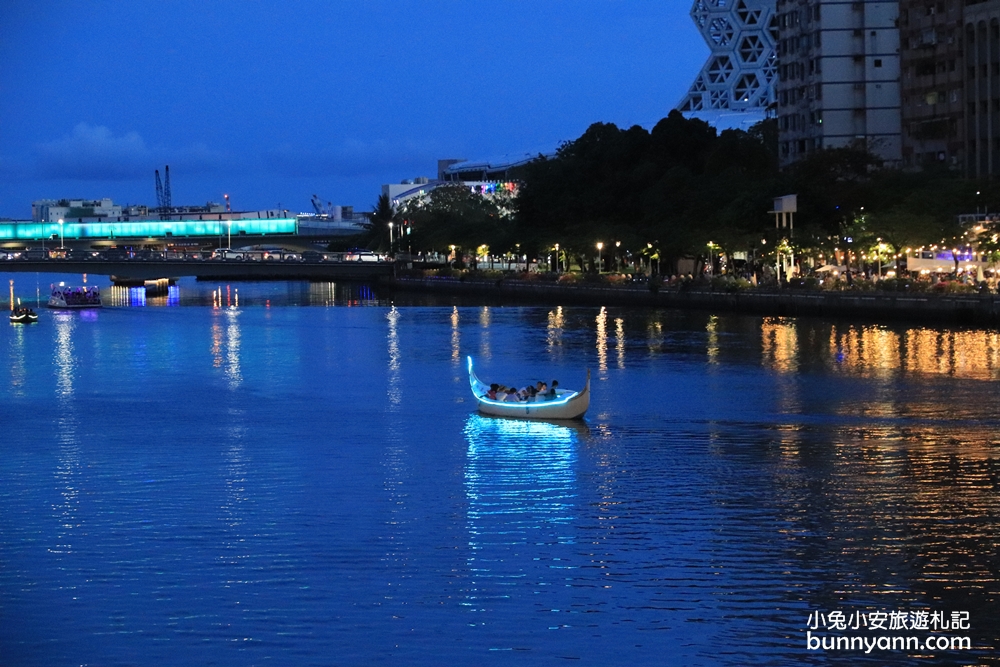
{"x":838,"y":77}
{"x":982,"y":88}
{"x":932,"y":81}
{"x":740,"y":71}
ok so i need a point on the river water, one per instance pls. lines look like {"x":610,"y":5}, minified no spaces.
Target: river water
{"x":295,"y":474}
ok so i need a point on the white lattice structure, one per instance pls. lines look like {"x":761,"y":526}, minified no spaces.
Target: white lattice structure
{"x":740,"y":72}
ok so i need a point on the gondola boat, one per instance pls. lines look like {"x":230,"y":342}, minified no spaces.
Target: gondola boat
{"x":565,"y":405}
{"x":23,"y":316}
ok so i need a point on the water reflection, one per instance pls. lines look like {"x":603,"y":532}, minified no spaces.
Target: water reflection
{"x":66,"y":422}
{"x":780,"y":344}
{"x":456,"y":339}
{"x":620,"y":341}
{"x":225,"y":347}
{"x":64,"y":355}
{"x":521,"y":487}
{"x":654,"y":335}
{"x":602,"y":339}
{"x":394,"y":390}
{"x":880,"y":352}
{"x":554,"y":329}
{"x":484,"y":336}
{"x":18,"y":370}
{"x":713,"y":339}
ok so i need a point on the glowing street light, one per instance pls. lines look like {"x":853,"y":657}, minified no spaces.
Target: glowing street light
{"x":62,"y":237}
{"x":600,"y":260}
{"x":390,"y":238}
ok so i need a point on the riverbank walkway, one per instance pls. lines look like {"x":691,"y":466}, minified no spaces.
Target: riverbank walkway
{"x":980,"y":309}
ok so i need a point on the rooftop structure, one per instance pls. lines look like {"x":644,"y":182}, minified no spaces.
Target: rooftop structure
{"x":740,"y":72}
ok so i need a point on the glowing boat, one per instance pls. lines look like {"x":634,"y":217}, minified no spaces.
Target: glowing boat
{"x":23,"y":316}
{"x":565,"y":405}
{"x":74,"y":297}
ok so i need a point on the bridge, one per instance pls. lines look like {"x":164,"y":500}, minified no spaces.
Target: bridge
{"x":152,"y":269}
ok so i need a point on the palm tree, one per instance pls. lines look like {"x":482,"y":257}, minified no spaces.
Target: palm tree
{"x":376,"y":235}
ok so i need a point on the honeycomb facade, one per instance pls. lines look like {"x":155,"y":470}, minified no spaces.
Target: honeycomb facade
{"x":741,"y":70}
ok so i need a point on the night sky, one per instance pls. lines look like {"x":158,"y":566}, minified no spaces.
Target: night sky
{"x":273,"y":101}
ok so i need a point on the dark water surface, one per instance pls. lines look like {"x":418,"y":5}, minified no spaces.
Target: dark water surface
{"x":294,"y":474}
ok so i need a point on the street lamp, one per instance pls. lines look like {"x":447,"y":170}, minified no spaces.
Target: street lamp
{"x":62,"y":237}
{"x":600,"y":246}
{"x":229,"y":231}
{"x":618,"y":257}
{"x":557,"y":259}
{"x":390,"y":238}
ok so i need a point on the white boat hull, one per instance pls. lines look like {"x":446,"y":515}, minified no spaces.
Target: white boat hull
{"x":73,"y":298}
{"x":566,"y":405}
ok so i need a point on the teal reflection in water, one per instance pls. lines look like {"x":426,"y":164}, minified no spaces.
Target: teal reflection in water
{"x":521,"y":488}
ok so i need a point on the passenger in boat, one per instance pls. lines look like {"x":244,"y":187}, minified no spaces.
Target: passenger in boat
{"x":492,"y":393}
{"x":541,"y":388}
{"x":511,"y":396}
{"x":551,"y":393}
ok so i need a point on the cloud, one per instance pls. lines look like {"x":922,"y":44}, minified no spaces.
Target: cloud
{"x":351,"y":159}
{"x":94,"y":153}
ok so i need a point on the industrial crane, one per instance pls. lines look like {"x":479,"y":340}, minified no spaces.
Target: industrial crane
{"x":318,"y":206}
{"x":163,"y":191}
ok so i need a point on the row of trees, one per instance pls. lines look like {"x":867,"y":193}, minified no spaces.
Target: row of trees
{"x":684,"y":189}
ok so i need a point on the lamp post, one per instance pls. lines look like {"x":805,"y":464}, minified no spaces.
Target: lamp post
{"x":390,"y":238}
{"x":600,"y":246}
{"x":62,"y":237}
{"x":229,"y":231}
{"x":557,"y":259}
{"x":618,"y":257}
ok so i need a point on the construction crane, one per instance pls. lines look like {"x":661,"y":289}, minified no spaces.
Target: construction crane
{"x":163,"y":191}
{"x":317,"y":204}
{"x":167,"y":199}
{"x":159,"y":191}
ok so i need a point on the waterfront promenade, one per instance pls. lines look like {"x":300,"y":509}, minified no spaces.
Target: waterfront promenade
{"x":965,"y":309}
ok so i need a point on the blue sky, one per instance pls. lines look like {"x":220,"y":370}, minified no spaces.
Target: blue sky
{"x":273,"y":101}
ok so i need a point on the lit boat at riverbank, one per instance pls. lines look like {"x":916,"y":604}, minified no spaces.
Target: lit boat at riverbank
{"x":63,"y":296}
{"x":565,"y":405}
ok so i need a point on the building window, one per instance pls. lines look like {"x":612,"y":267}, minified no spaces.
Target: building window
{"x":878,"y":62}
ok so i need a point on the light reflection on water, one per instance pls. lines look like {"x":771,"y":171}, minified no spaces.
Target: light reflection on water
{"x":733,"y":474}
{"x":520,"y":482}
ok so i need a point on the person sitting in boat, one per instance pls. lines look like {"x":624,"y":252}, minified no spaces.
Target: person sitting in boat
{"x":527,"y":393}
{"x":551,"y":393}
{"x":492,"y":393}
{"x":511,"y":396}
{"x":540,"y":390}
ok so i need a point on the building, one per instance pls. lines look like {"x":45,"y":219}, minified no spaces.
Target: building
{"x":982,"y":88}
{"x":53,"y":210}
{"x":932,"y":82}
{"x":740,"y":71}
{"x":838,"y":77}
{"x":485,"y":177}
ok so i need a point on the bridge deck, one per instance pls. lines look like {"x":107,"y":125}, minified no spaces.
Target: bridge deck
{"x":233,"y":270}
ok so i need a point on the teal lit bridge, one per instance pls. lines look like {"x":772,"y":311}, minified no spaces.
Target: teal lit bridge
{"x":20,"y":233}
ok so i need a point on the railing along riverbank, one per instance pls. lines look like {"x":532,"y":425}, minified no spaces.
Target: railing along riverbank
{"x":965,"y":309}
